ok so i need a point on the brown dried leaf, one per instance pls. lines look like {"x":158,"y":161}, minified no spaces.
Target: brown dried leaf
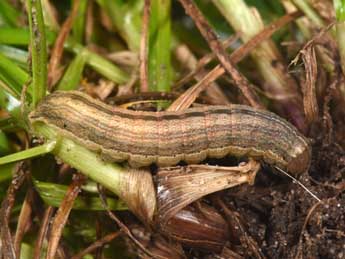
{"x":180,"y":186}
{"x":311,"y":107}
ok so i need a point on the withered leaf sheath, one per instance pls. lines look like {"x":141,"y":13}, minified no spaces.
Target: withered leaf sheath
{"x":166,"y":138}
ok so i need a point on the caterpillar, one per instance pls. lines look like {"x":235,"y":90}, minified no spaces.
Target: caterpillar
{"x":166,"y":138}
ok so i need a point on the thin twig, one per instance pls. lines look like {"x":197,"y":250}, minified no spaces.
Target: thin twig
{"x":203,"y":62}
{"x":62,"y":214}
{"x":243,"y":236}
{"x":48,"y":214}
{"x":216,"y":46}
{"x":24,"y":220}
{"x":8,"y":247}
{"x":185,"y":100}
{"x":99,"y":243}
{"x":123,"y":227}
{"x":310,"y":213}
{"x":189,"y":96}
{"x":57,"y":50}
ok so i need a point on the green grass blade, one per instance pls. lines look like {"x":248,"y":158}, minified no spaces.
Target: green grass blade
{"x":6,"y":172}
{"x":99,"y":64}
{"x":8,"y":124}
{"x":339,"y":6}
{"x":126,"y":17}
{"x":106,"y":68}
{"x":20,"y":36}
{"x":159,"y":46}
{"x":5,"y":146}
{"x":13,"y":76}
{"x":17,"y":36}
{"x":53,"y":194}
{"x":26,"y":251}
{"x":38,"y":50}
{"x":8,"y":15}
{"x":15,"y":54}
{"x":12,"y":106}
{"x":79,"y":22}
{"x":28,"y":153}
{"x":73,"y":73}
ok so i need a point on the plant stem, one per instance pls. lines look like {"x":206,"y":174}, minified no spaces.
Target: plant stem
{"x":84,"y":160}
{"x":38,"y":50}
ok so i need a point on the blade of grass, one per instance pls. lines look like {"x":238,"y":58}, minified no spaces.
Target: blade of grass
{"x":126,"y":17}
{"x":99,"y":64}
{"x":5,"y":147}
{"x":50,"y":15}
{"x":8,"y":15}
{"x":20,"y":36}
{"x":73,"y":74}
{"x":12,"y":106}
{"x":159,"y":46}
{"x":14,"y":36}
{"x":15,"y":54}
{"x":79,"y":22}
{"x":6,"y":172}
{"x":29,"y":153}
{"x":38,"y":50}
{"x":13,"y":76}
{"x":53,"y":194}
{"x":8,"y":124}
{"x":26,"y":251}
{"x":106,"y":68}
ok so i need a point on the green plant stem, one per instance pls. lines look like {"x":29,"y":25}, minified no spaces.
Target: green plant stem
{"x":38,"y":50}
{"x":84,"y":160}
{"x":53,"y":194}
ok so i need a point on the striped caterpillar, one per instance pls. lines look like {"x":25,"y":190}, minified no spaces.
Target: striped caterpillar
{"x":166,"y":138}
